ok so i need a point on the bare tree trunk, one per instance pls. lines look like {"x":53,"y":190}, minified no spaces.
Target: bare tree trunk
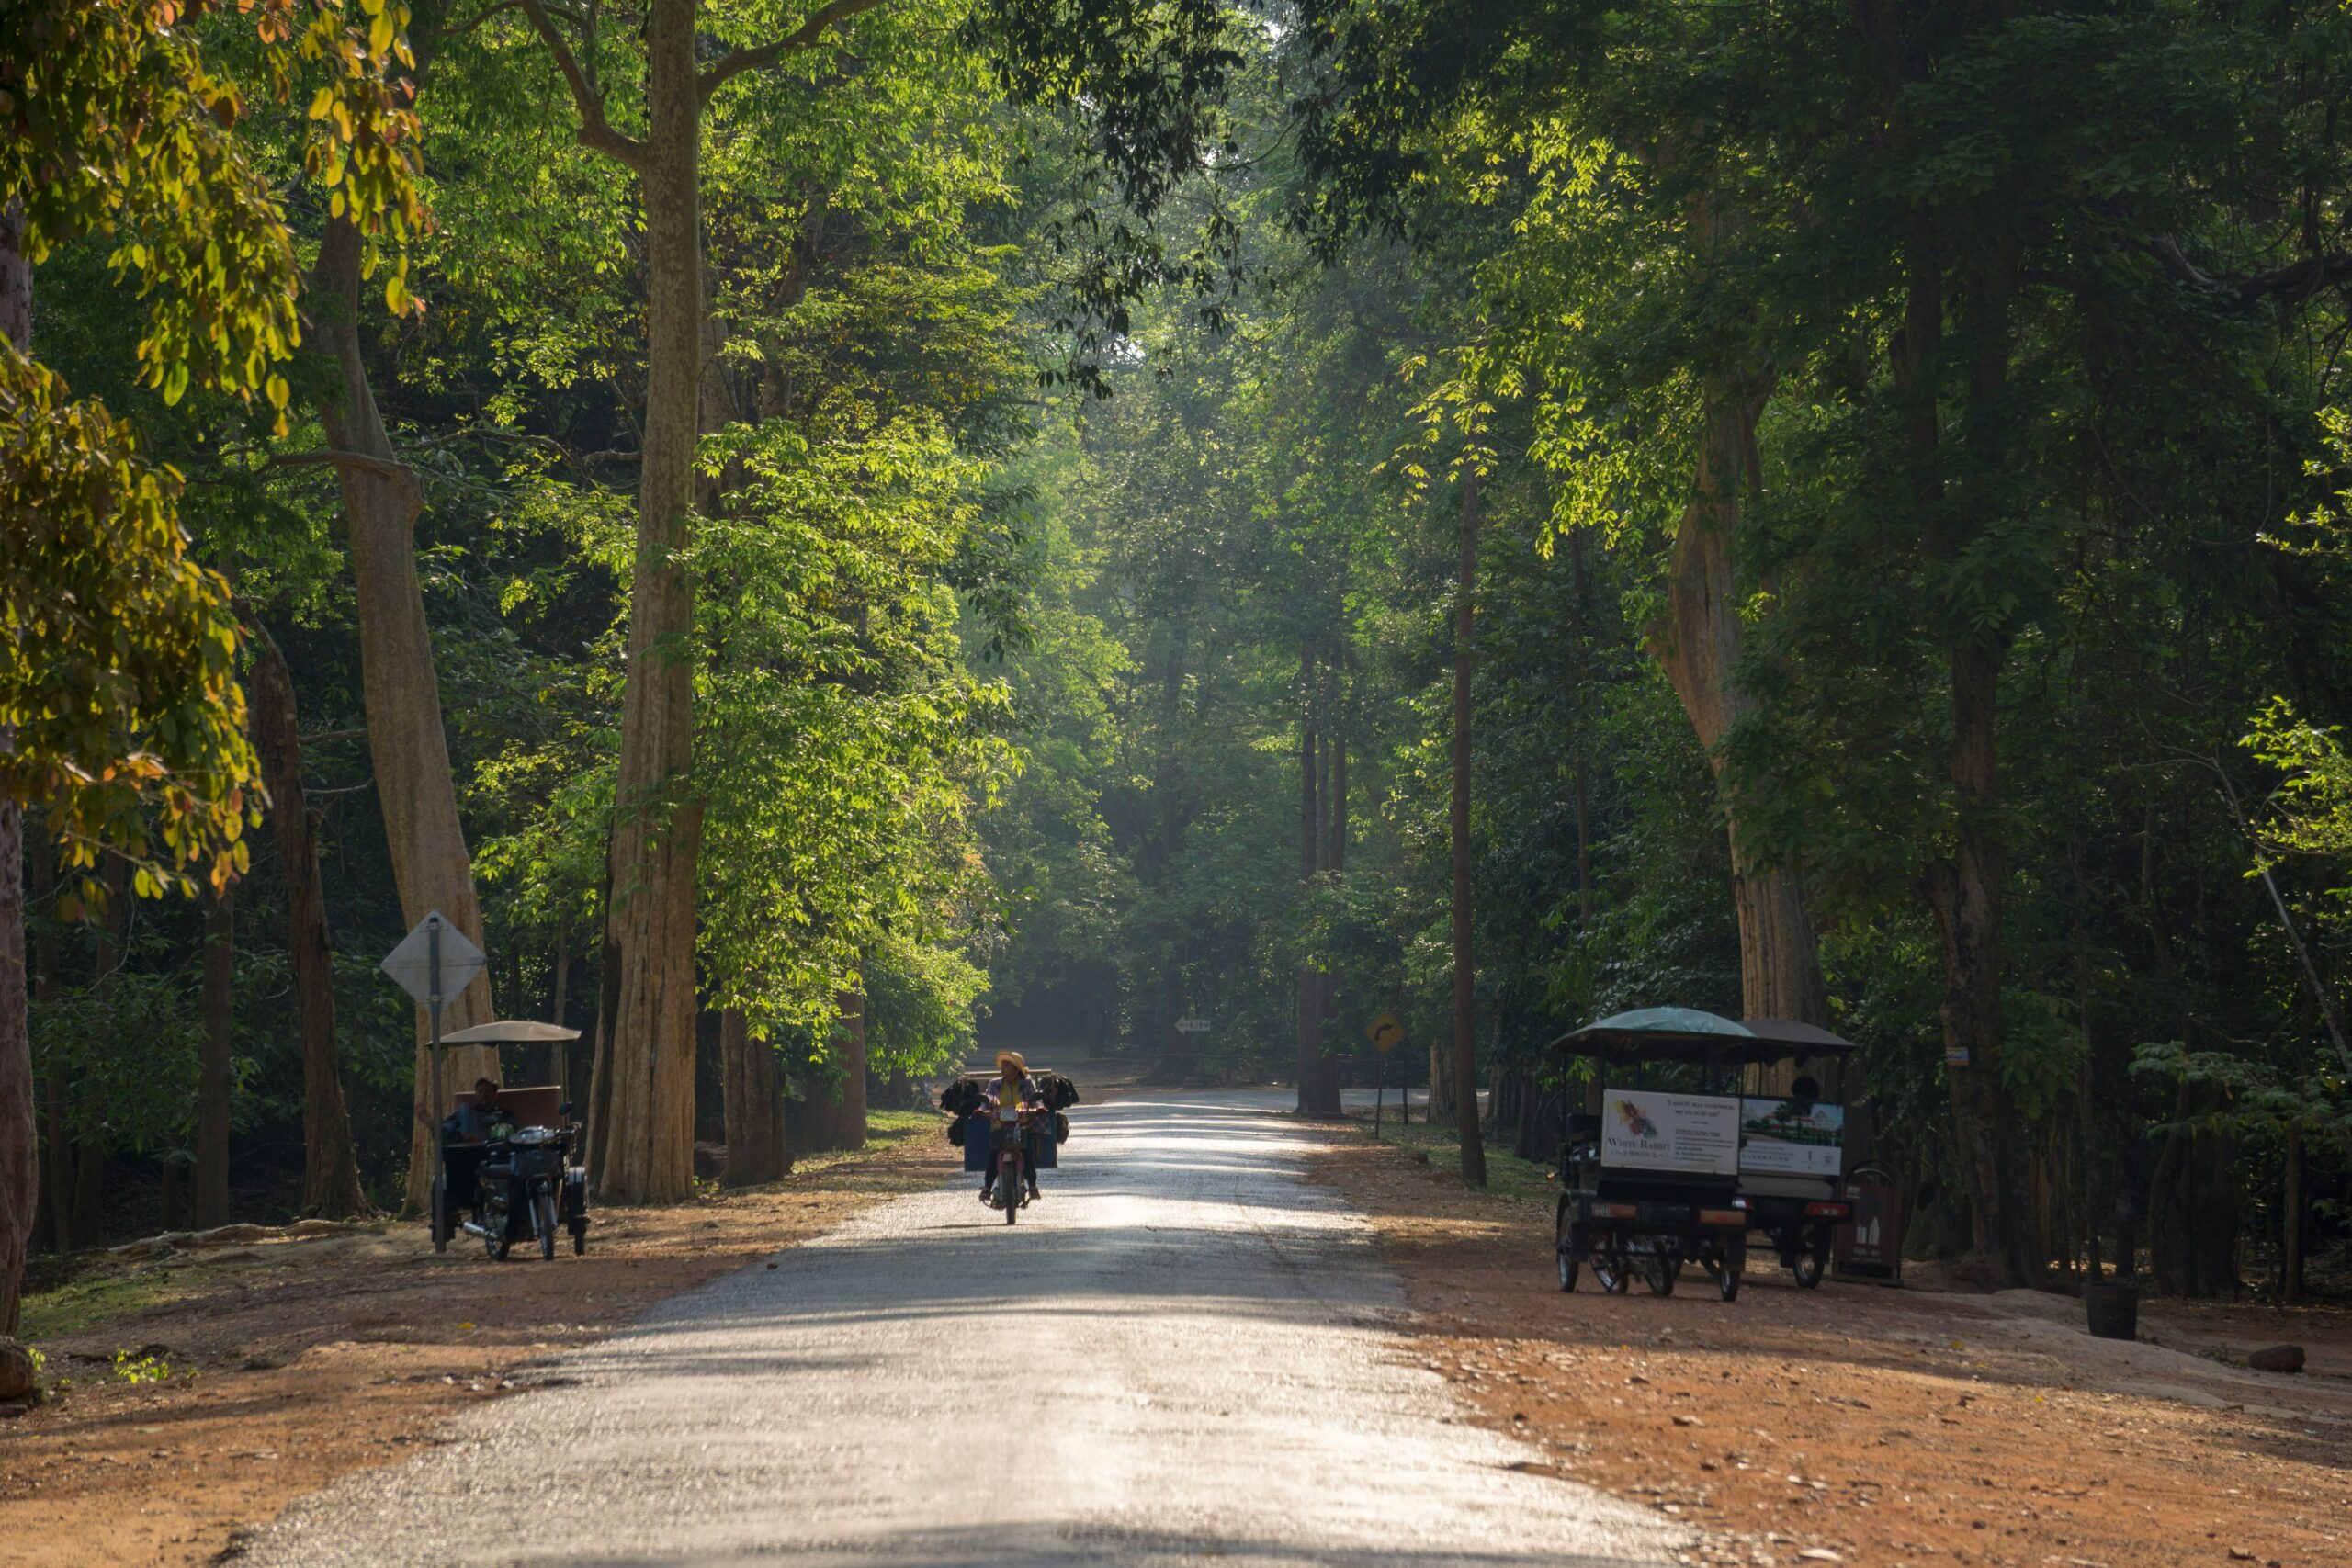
{"x":19,"y":1134}
{"x":215,"y":1083}
{"x":644,"y":1112}
{"x":90,"y":1153}
{"x":2291,"y":1250}
{"x":756,"y":1150}
{"x":381,"y":499}
{"x":1319,"y":1086}
{"x":1780,"y":960}
{"x":826,"y":1122}
{"x":330,"y":1187}
{"x":19,"y":1127}
{"x":56,"y":1224}
{"x":1465,"y":974}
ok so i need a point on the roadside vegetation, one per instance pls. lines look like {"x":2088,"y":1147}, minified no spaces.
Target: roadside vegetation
{"x":832,"y":539}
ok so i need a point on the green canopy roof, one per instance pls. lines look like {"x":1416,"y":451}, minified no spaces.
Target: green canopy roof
{"x":1687,"y":1034}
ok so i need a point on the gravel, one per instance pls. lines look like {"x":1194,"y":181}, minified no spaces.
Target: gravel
{"x":1184,"y":1352}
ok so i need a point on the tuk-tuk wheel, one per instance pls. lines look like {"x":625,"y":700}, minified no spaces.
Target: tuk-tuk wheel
{"x":1570,"y":1250}
{"x":1610,"y":1272}
{"x":1728,"y":1273}
{"x":579,"y":1236}
{"x":1811,"y":1261}
{"x":1658,"y":1272}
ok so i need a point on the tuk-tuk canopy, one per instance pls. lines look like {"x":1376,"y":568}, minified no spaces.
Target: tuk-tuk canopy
{"x":1687,"y":1034}
{"x":513,"y":1031}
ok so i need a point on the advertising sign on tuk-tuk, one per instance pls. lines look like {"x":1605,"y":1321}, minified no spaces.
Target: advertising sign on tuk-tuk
{"x":1792,"y":1137}
{"x":1651,"y":1129}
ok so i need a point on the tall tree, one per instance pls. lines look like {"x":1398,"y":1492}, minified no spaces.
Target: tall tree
{"x":1465,"y":969}
{"x":330,"y":1187}
{"x":130,"y":707}
{"x":216,"y":1082}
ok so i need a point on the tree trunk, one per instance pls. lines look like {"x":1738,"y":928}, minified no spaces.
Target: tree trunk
{"x":644,"y":1112}
{"x":57,"y":1144}
{"x":209,"y":1196}
{"x":2290,"y":1240}
{"x":330,"y":1187}
{"x":826,"y":1122}
{"x":1318,"y":1072}
{"x":405,"y":739}
{"x":90,"y":1152}
{"x":1779,"y":961}
{"x":19,"y":1128}
{"x":560,"y":988}
{"x":1440,"y":1101}
{"x":19,"y":1136}
{"x":1584,"y":718}
{"x":1465,"y":974}
{"x":756,"y":1151}
{"x":1965,"y":891}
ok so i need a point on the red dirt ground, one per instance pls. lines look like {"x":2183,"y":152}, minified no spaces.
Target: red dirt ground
{"x":292,"y":1362}
{"x":1865,"y":1424}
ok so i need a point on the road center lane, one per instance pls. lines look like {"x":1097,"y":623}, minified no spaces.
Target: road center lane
{"x":1183,"y":1351}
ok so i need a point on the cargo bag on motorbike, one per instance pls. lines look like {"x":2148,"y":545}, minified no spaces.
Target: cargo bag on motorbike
{"x":955,"y":1131}
{"x":1061,"y":1128}
{"x":1041,"y":1152}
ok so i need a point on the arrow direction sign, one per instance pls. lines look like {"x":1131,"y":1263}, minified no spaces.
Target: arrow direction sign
{"x":1192,"y":1026}
{"x":1385,"y":1033}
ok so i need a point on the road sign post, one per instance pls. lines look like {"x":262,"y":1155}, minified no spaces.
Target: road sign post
{"x":433,"y":962}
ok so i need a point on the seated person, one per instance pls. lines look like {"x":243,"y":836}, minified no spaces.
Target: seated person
{"x":473,"y":1123}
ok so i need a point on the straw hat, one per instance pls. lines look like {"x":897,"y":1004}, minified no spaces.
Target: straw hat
{"x":1010,"y":1062}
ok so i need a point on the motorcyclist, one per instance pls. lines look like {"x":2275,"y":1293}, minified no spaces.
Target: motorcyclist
{"x":1011,"y":1086}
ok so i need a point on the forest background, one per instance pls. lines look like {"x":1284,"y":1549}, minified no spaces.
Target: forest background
{"x":991,"y":569}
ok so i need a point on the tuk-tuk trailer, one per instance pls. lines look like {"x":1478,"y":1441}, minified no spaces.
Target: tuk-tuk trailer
{"x":1658,"y":1178}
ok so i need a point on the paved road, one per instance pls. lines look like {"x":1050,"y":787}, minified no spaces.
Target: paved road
{"x":1220,"y":1385}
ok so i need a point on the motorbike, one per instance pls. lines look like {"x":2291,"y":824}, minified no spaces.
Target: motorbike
{"x":1008,"y":1132}
{"x":529,"y":1192}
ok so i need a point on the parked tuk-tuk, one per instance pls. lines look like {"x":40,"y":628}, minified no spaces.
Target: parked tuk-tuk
{"x":521,"y":1179}
{"x":1662,"y":1175}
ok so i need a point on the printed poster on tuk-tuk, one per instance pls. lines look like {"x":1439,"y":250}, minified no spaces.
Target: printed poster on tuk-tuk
{"x":1645,"y":1130}
{"x":1792,"y":1137}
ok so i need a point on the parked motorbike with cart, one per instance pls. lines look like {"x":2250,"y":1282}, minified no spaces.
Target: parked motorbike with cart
{"x":1681,"y":1172}
{"x":521,"y":1176}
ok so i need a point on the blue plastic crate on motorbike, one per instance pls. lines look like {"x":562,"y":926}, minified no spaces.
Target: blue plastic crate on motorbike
{"x":1043,"y":1153}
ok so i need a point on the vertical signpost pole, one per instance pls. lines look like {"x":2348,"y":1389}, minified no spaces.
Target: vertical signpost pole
{"x":432,"y":1004}
{"x":1379,"y":1087}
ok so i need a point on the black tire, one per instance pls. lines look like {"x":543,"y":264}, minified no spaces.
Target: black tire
{"x":1728,"y":1272}
{"x":495,"y":1243}
{"x":1658,"y":1272}
{"x":1610,"y":1272}
{"x":1811,"y":1261}
{"x":1569,"y":1244}
{"x":579,"y":1236}
{"x":1008,"y":1185}
{"x":441,"y":1213}
{"x":543,"y":1212}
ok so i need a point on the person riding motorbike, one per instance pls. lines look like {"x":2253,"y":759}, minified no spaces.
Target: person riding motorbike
{"x":1011,"y":1086}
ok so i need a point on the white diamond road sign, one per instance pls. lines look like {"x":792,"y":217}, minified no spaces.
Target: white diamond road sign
{"x":412,"y":962}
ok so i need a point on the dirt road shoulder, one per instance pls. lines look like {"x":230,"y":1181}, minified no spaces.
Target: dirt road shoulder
{"x":202,"y":1391}
{"x":1854,"y":1423}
